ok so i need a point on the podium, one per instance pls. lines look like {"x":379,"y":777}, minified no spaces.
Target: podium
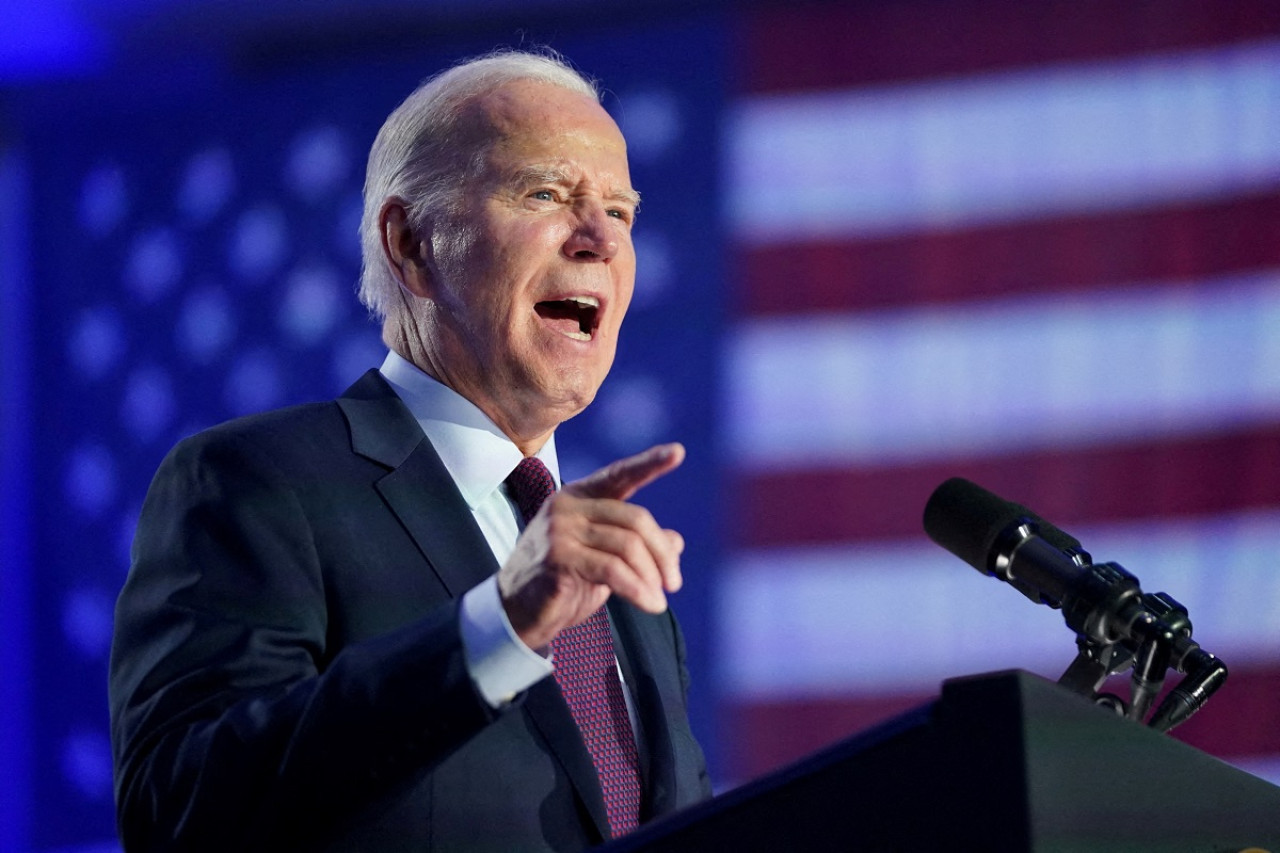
{"x":1001,"y":762}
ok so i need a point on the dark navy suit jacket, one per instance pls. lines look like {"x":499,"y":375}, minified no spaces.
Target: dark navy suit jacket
{"x":288,"y":672}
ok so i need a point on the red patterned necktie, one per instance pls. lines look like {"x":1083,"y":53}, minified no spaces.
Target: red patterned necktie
{"x":586,"y":671}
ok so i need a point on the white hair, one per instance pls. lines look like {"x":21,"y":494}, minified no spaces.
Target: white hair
{"x":414,"y":155}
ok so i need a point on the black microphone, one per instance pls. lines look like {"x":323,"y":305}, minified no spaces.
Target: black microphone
{"x":1101,"y":602}
{"x":1010,"y":542}
{"x":958,"y":509}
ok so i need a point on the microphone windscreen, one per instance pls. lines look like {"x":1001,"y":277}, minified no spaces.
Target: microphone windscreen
{"x":966,"y":519}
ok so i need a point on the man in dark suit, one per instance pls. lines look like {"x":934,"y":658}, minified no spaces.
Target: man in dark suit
{"x":345,"y":626}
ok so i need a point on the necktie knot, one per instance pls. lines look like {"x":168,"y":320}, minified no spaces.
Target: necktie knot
{"x":530,"y":484}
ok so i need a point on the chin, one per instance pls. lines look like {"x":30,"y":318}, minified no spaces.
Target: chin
{"x":573,"y":398}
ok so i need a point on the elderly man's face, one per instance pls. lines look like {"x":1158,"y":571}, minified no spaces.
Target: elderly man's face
{"x":534,"y":275}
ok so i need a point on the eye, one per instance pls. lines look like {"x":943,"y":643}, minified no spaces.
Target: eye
{"x":625,"y":214}
{"x":543,"y":195}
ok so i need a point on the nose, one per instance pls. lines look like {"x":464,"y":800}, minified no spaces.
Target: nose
{"x":595,"y":234}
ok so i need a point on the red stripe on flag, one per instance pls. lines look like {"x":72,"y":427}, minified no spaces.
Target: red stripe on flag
{"x":1241,"y":719}
{"x":1184,"y":476}
{"x":830,"y":45}
{"x":1181,"y":243}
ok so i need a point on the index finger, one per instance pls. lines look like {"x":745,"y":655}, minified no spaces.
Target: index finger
{"x":622,"y":479}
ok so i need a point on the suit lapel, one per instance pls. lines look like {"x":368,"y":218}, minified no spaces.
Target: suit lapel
{"x":418,"y":488}
{"x":636,"y":651}
{"x":424,"y":498}
{"x":422,"y":495}
{"x":621,"y":612}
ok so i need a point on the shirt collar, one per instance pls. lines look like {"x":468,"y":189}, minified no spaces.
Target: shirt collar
{"x":477,"y":454}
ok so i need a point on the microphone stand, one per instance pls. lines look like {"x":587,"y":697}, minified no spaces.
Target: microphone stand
{"x":1118,"y":627}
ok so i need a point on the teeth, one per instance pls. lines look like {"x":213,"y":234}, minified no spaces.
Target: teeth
{"x":578,"y":336}
{"x":589,"y":301}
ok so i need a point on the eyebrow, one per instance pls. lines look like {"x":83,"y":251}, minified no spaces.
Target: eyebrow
{"x":533,"y":175}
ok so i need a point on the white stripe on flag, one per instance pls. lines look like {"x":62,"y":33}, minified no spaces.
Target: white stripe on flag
{"x":867,"y":619}
{"x":1004,"y":375}
{"x":1003,"y":146}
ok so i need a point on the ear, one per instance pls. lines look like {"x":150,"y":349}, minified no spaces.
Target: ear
{"x":406,"y":252}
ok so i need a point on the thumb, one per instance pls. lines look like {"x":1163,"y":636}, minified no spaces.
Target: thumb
{"x":622,"y":479}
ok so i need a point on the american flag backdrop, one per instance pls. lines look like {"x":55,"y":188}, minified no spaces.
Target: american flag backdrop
{"x":1035,"y":243}
{"x":1032,"y":244}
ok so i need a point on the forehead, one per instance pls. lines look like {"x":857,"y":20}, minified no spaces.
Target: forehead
{"x":530,"y":121}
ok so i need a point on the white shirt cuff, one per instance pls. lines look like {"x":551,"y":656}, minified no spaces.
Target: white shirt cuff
{"x":499,"y":662}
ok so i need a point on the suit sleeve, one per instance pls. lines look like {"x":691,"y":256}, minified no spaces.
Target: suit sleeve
{"x":234,"y":725}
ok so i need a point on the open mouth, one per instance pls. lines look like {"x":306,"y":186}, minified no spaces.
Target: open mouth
{"x":574,"y":317}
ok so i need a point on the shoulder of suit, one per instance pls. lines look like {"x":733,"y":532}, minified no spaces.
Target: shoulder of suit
{"x":300,"y":430}
{"x":277,"y":423}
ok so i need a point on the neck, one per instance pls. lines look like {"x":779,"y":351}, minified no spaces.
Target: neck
{"x":528,"y":434}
